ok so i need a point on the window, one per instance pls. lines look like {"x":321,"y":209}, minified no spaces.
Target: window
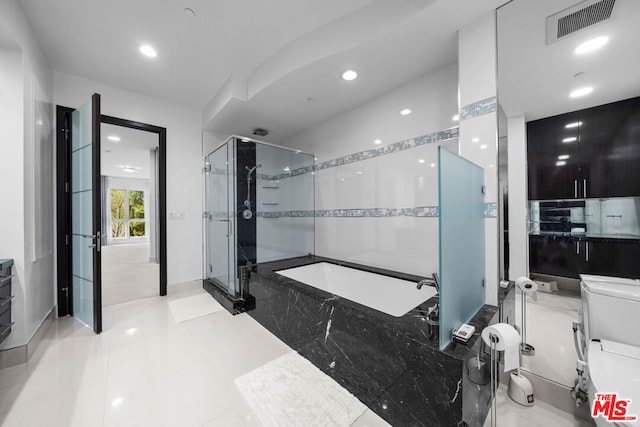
{"x":127,"y":214}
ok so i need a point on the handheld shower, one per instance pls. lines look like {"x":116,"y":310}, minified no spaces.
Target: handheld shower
{"x":247,"y":213}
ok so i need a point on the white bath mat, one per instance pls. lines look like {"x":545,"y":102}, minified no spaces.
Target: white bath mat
{"x":291,"y":391}
{"x":188,"y":308}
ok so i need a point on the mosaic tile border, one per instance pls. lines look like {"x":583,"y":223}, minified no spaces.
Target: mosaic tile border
{"x":490,"y":211}
{"x":396,"y":147}
{"x":421,"y":211}
{"x":479,"y":108}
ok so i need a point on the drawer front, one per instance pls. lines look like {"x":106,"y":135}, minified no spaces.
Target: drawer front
{"x":5,"y":287}
{"x":4,"y":332}
{"x":5,"y":271}
{"x":5,"y":318}
{"x":5,"y":313}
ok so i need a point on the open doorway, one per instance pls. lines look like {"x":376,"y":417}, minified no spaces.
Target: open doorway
{"x":140,"y":214}
{"x":129,"y":188}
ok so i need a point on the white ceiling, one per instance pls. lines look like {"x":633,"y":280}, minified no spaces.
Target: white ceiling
{"x":252,"y":63}
{"x":535,"y":79}
{"x":133,"y":149}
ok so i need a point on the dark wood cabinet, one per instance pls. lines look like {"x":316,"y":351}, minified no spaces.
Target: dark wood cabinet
{"x":554,"y":160}
{"x":612,"y":149}
{"x":586,"y":154}
{"x":620,"y":259}
{"x":556,"y":256}
{"x":568,"y":257}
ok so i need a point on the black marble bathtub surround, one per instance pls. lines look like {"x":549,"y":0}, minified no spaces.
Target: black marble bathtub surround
{"x":390,"y":363}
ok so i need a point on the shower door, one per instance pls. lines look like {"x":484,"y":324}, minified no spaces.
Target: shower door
{"x":220,"y":219}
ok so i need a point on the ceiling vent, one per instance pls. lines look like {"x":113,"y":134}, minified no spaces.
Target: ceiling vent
{"x":260,"y":132}
{"x":578,"y":17}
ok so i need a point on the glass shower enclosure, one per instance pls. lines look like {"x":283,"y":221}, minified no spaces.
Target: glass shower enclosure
{"x":220,"y":219}
{"x":259,"y":207}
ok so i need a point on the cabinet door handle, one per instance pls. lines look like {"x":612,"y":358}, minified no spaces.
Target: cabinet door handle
{"x":575,"y":188}
{"x":586,"y":254}
{"x":584,"y":182}
{"x":578,"y":248}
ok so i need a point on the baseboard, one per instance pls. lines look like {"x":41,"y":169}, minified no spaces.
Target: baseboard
{"x":556,"y":395}
{"x":21,"y":354}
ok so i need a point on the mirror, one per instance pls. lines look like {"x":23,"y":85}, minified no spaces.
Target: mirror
{"x":539,"y":68}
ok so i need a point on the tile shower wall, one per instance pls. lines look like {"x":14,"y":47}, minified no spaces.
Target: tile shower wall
{"x":284,"y":204}
{"x":379,"y":208}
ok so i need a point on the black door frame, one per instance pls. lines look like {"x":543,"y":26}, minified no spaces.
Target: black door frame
{"x":63,"y":203}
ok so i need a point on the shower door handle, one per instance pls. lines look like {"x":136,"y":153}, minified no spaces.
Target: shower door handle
{"x":228,"y":221}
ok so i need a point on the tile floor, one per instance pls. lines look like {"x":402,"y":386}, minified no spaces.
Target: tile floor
{"x":549,"y":323}
{"x":148,"y":370}
{"x":127,"y":273}
{"x":511,"y":414}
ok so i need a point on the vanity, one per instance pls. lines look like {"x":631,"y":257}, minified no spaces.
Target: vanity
{"x":5,"y":298}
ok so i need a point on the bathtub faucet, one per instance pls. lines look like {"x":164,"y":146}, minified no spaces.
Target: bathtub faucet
{"x":433,"y":281}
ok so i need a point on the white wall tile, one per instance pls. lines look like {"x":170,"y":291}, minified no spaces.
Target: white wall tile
{"x":479,"y":134}
{"x":404,"y":244}
{"x":397,"y":180}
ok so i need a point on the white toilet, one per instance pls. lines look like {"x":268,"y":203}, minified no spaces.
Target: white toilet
{"x":611,"y":345}
{"x":610,"y":309}
{"x":615,"y":368}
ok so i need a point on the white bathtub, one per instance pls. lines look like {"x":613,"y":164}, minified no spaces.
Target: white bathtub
{"x":383,"y":293}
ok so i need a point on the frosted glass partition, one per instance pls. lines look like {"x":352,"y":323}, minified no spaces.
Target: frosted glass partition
{"x":285,"y":203}
{"x":461,"y":202}
{"x":82,"y":219}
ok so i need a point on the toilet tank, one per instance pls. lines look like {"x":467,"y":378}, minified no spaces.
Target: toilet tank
{"x":611,"y":310}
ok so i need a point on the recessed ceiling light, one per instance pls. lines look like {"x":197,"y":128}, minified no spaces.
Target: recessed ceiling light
{"x":456,"y":117}
{"x":117,"y":401}
{"x":148,"y":51}
{"x":113,"y":138}
{"x":483,"y":146}
{"x":476,"y":139}
{"x":563,"y":157}
{"x":573,"y":125}
{"x":359,"y":172}
{"x":490,"y":166}
{"x":433,"y":165}
{"x":377,"y":141}
{"x":189,"y":12}
{"x":421,"y":161}
{"x":581,"y":92}
{"x":287,"y":169}
{"x":349,"y":75}
{"x":570,"y":139}
{"x":591,"y":45}
{"x":561,"y":163}
{"x":405,"y":112}
{"x":128,"y":168}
